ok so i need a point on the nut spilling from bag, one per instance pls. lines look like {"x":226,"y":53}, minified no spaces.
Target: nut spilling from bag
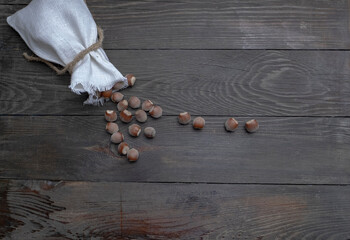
{"x":65,"y":33}
{"x":156,"y":112}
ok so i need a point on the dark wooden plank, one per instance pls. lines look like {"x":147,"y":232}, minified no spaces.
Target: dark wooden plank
{"x":269,"y":83}
{"x":85,"y":210}
{"x":284,"y":150}
{"x":273,"y":24}
{"x":58,"y":210}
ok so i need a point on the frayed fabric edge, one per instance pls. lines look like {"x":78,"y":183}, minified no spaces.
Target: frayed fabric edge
{"x":93,"y":91}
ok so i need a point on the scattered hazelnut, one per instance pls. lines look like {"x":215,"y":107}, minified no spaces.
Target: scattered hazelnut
{"x":156,"y":112}
{"x":123,"y":148}
{"x":122,"y":105}
{"x":119,"y":85}
{"x":134,"y":102}
{"x":133,"y":155}
{"x":252,"y":126}
{"x":117,"y":137}
{"x":150,"y":132}
{"x":125,"y":116}
{"x":134,"y":130}
{"x":112,"y":127}
{"x":198,"y":123}
{"x":117,"y":97}
{"x":131,"y":79}
{"x":106,"y":94}
{"x":184,"y":118}
{"x":147,"y":105}
{"x":231,"y":124}
{"x":111,"y":115}
{"x":141,"y":116}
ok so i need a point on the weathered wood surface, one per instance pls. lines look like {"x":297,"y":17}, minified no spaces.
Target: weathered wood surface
{"x":188,"y":24}
{"x":85,"y":210}
{"x":264,"y":83}
{"x":284,"y":150}
{"x":301,"y":99}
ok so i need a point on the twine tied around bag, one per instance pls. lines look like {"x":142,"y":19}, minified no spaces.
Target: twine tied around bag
{"x":69,"y":67}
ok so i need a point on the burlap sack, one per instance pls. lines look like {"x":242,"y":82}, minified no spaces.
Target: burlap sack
{"x":57,"y":31}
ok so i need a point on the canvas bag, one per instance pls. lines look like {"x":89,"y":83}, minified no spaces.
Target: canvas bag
{"x":58,"y":30}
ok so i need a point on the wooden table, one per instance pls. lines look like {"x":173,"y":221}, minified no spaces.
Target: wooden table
{"x":285,"y":63}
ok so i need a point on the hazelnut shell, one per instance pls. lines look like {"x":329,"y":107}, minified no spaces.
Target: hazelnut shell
{"x":110,"y":116}
{"x":184,"y":118}
{"x":117,"y":97}
{"x":156,"y":112}
{"x":141,"y":116}
{"x":231,"y":125}
{"x":252,"y":126}
{"x":125,"y":116}
{"x":123,"y":148}
{"x":198,"y":123}
{"x":117,"y":137}
{"x":150,"y":132}
{"x":122,"y":105}
{"x":134,"y":130}
{"x":133,"y":155}
{"x":131,"y":79}
{"x":112,"y":127}
{"x":147,"y":105}
{"x":106,"y":94}
{"x":134,"y":102}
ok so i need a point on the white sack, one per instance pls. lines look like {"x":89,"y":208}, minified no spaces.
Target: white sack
{"x":57,"y":30}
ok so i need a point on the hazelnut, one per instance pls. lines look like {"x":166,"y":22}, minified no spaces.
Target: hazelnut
{"x":231,"y":124}
{"x":133,"y":155}
{"x":117,"y":137}
{"x":252,"y":126}
{"x":131,"y":79}
{"x":106,"y":94}
{"x":150,"y":132}
{"x":119,"y":85}
{"x":123,"y":148}
{"x":111,"y":115}
{"x":122,"y":105}
{"x":134,"y":130}
{"x":134,"y":102}
{"x":125,"y":116}
{"x":141,"y":116}
{"x":156,"y":112}
{"x":112,"y":127}
{"x":147,"y":105}
{"x":198,"y":123}
{"x":117,"y":97}
{"x":184,"y":118}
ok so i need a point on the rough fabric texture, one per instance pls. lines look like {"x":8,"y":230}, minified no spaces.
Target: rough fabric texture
{"x":57,"y":31}
{"x":69,"y":67}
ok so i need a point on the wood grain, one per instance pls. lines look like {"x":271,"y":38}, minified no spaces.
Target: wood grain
{"x":85,"y":210}
{"x":221,"y":82}
{"x":188,"y":24}
{"x":284,"y":150}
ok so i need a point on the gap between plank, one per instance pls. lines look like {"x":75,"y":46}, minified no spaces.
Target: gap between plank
{"x":179,"y":182}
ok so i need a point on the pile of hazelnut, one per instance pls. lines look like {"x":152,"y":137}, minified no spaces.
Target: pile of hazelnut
{"x":126,"y":116}
{"x":154,"y":111}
